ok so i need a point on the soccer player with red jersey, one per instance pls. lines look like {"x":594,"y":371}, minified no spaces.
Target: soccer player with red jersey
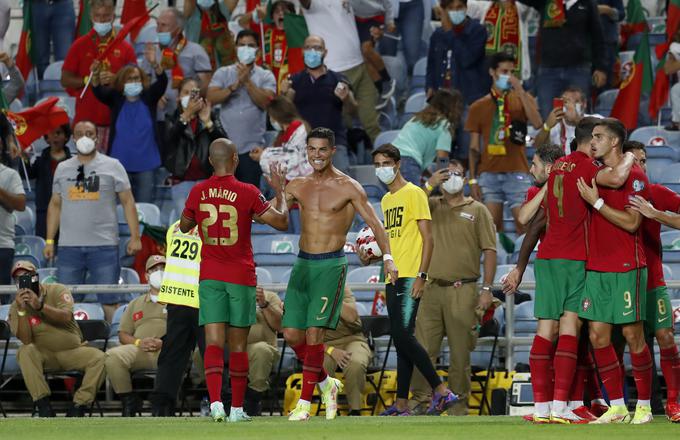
{"x":560,"y":275}
{"x":543,"y":160}
{"x":224,"y":209}
{"x":616,"y":277}
{"x":659,"y":319}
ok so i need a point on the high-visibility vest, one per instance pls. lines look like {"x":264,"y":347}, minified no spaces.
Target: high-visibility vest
{"x":182,"y":268}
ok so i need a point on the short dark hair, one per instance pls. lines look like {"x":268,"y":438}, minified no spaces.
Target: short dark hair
{"x":246,"y":33}
{"x":322,"y":133}
{"x":575,"y":89}
{"x":500,"y":57}
{"x":584,"y":129}
{"x":289,"y":6}
{"x":549,"y":153}
{"x":446,"y":3}
{"x":615,"y":127}
{"x":388,"y":150}
{"x":458,"y":163}
{"x":633,"y":145}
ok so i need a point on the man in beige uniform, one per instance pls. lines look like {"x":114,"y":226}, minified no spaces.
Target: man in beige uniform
{"x":347,"y":347}
{"x":462,"y":229}
{"x":142,"y":326}
{"x":42,"y":318}
{"x":263,"y":352}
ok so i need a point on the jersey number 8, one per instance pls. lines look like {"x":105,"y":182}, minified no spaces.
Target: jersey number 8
{"x":228,"y":223}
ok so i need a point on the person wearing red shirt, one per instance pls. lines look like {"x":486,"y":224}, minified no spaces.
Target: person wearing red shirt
{"x":78,"y":66}
{"x":560,"y":277}
{"x":616,"y":276}
{"x":541,"y":164}
{"x":659,"y":319}
{"x":224,"y":208}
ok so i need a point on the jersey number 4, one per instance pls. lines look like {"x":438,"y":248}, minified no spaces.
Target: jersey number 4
{"x":228,"y":223}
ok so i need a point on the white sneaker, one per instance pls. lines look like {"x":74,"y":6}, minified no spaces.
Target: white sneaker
{"x":217,"y":412}
{"x":238,"y":415}
{"x":329,"y":397}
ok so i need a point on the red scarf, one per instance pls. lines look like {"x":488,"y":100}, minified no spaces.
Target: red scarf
{"x":502,"y":26}
{"x":169,"y":60}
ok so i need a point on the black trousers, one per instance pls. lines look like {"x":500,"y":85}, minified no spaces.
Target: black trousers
{"x":6,"y":262}
{"x":248,"y":171}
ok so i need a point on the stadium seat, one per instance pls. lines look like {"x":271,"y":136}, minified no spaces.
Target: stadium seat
{"x":115,"y":321}
{"x":655,"y":135}
{"x":386,"y":137}
{"x":26,"y":219}
{"x":85,"y":311}
{"x":375,"y":193}
{"x":147,"y":213}
{"x":19,"y":230}
{"x":262,"y":229}
{"x":277,"y":273}
{"x":275,"y":250}
{"x":518,"y":245}
{"x":263,"y":276}
{"x":51,"y":82}
{"x":525,"y":323}
{"x":418,"y":77}
{"x":30,"y":245}
{"x":675,"y":305}
{"x":605,"y":102}
{"x":285,"y":276}
{"x":48,"y":275}
{"x":670,"y":240}
{"x":670,"y":174}
{"x":415,"y":103}
{"x":27,"y":257}
{"x":364,"y":174}
{"x":128,"y":276}
{"x":368,"y":274}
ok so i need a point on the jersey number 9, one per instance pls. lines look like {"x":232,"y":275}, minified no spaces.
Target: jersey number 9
{"x":229,"y":223}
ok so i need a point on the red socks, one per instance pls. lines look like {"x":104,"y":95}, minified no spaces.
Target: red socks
{"x":670,"y":365}
{"x":300,"y":351}
{"x":238,"y":374}
{"x":540,"y":362}
{"x":565,"y":365}
{"x":642,"y":371}
{"x":213,"y":363}
{"x":312,"y":371}
{"x":610,"y":372}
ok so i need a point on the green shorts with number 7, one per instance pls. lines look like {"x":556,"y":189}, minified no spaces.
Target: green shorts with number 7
{"x":615,"y":297}
{"x":315,"y":291}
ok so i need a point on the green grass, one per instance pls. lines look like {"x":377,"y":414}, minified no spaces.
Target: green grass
{"x":345,"y":428}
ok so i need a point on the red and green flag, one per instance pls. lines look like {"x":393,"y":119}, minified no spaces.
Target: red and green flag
{"x":296,"y":30}
{"x":133,"y":9}
{"x":659,"y":94}
{"x":26,"y":57}
{"x":627,"y":105}
{"x":35,"y":122}
{"x":84,"y":24}
{"x":635,"y":21}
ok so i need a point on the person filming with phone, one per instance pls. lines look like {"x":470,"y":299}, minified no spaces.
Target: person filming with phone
{"x":41,"y":316}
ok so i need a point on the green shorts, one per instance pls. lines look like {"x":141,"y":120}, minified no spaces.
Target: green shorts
{"x":315,"y":291}
{"x":220,"y":301}
{"x":559,"y":285}
{"x":659,"y":310}
{"x":615,"y":297}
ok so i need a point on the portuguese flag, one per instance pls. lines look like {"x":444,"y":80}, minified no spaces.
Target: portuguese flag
{"x":25,"y":58}
{"x":661,"y":87}
{"x":84,"y":24}
{"x":635,"y":21}
{"x":627,"y":104}
{"x":132,"y":9}
{"x":295,"y":27}
{"x":37,"y":121}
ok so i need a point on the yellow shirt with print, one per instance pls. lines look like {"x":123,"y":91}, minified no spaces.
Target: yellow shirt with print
{"x":402,"y":210}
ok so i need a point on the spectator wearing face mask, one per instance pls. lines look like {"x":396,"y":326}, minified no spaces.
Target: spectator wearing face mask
{"x":142,"y":326}
{"x":208,"y":25}
{"x":77,"y":68}
{"x":134,"y":139}
{"x":560,"y":127}
{"x":243,"y":92}
{"x":83,"y":203}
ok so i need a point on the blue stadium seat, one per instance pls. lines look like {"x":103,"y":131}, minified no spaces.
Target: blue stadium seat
{"x":51,"y":82}
{"x":263,"y":276}
{"x":386,"y":137}
{"x":670,"y":240}
{"x":368,"y":274}
{"x":605,"y":102}
{"x":415,"y":103}
{"x":26,"y":219}
{"x":670,"y":174}
{"x":518,"y":245}
{"x":655,"y":135}
{"x":525,"y":323}
{"x":277,"y":273}
{"x":275,"y":250}
{"x":418,"y":77}
{"x":48,"y":275}
{"x":30,"y":245}
{"x":375,"y":193}
{"x":675,"y":304}
{"x":19,"y":230}
{"x":115,"y":321}
{"x":364,"y":174}
{"x":85,"y":311}
{"x":262,"y":229}
{"x":128,"y":276}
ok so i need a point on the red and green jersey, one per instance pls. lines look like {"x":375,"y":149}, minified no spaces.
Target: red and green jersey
{"x":531,"y":193}
{"x":612,"y":249}
{"x":223,"y":208}
{"x":663,"y":199}
{"x":567,"y":212}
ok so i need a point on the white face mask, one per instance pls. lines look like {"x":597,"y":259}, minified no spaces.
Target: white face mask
{"x":184,"y":101}
{"x":85,"y":145}
{"x":276,"y":126}
{"x":674,"y":48}
{"x":155,"y":279}
{"x":579,"y":108}
{"x":454,"y":185}
{"x":385,"y":174}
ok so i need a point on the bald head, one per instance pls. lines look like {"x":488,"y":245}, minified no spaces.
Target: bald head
{"x":315,"y":42}
{"x":222,"y":152}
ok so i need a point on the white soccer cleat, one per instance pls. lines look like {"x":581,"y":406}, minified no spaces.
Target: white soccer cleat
{"x":217,"y":412}
{"x":329,"y":397}
{"x":300,"y":413}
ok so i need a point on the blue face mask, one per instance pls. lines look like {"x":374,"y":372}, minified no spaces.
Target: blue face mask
{"x":245,"y":54}
{"x":457,"y":17}
{"x":102,"y":28}
{"x":132,"y":89}
{"x":164,"y":38}
{"x":503,"y":82}
{"x":313,"y":58}
{"x":205,"y":4}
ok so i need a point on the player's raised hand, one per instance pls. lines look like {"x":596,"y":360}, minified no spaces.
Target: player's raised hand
{"x":589,"y":193}
{"x":643,"y":206}
{"x":511,"y":281}
{"x":391,"y":271}
{"x":277,"y":177}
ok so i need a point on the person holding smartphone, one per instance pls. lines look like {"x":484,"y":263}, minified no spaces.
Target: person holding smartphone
{"x":41,"y":316}
{"x":187,"y":135}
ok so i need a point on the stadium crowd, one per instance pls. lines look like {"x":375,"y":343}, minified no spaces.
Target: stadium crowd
{"x":470,"y":111}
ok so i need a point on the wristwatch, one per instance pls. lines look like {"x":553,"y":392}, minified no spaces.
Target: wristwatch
{"x":422,"y":275}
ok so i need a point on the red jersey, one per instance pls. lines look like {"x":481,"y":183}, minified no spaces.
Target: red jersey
{"x":531,"y":193}
{"x":567,"y":213}
{"x":78,"y":60}
{"x":663,"y":199}
{"x":611,"y":249}
{"x":223,"y":208}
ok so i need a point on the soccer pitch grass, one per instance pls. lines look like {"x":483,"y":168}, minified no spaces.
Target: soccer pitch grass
{"x":345,"y":428}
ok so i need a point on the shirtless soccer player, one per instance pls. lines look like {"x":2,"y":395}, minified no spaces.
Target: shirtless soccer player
{"x":328,"y":200}
{"x":224,"y":209}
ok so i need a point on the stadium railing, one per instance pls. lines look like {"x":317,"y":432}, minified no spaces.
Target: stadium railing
{"x":508,"y":341}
